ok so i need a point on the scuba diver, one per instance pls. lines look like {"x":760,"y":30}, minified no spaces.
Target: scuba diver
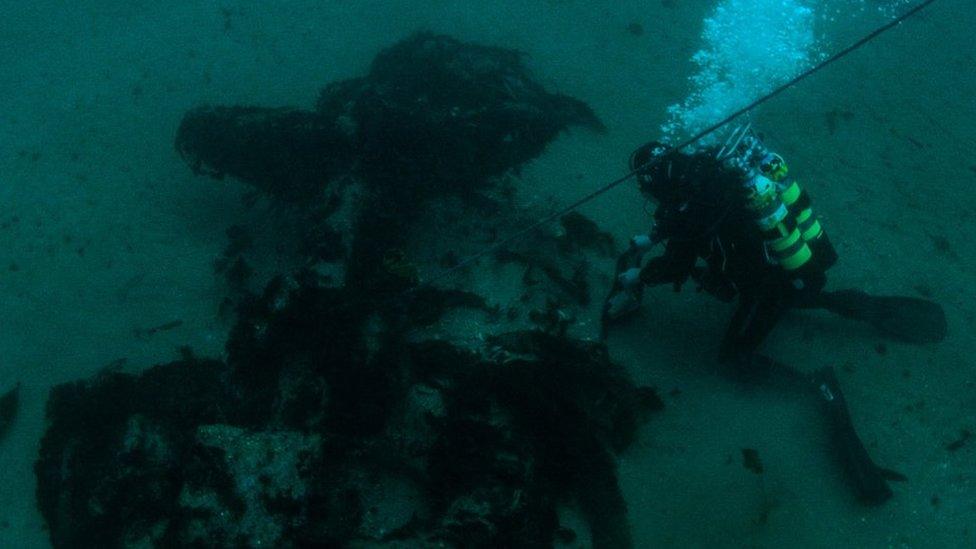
{"x":734,"y":222}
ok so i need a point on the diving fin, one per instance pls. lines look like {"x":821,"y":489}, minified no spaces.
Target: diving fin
{"x":907,"y":319}
{"x":870,"y":482}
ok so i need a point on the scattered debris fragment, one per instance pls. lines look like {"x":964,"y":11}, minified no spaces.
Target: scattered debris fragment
{"x":957,"y":444}
{"x":751,"y":461}
{"x":9,"y":405}
{"x":835,"y":116}
{"x":143,"y":333}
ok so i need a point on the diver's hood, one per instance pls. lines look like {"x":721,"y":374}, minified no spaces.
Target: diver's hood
{"x":678,"y":177}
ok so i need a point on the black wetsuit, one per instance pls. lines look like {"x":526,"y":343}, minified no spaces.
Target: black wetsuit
{"x":702,"y":215}
{"x":711,"y":236}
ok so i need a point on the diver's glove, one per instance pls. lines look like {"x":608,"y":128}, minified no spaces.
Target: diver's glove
{"x":643,"y":243}
{"x":625,"y":296}
{"x":620,"y":304}
{"x":629,"y":279}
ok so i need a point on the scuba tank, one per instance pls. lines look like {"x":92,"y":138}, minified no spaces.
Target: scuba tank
{"x":798,"y":203}
{"x":785,"y":245}
{"x":793,"y":237}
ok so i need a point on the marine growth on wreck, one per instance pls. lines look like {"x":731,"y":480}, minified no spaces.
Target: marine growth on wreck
{"x":353,"y":406}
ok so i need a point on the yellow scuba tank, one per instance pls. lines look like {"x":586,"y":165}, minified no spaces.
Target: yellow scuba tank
{"x":784,"y":242}
{"x":799,"y":206}
{"x":792,"y":234}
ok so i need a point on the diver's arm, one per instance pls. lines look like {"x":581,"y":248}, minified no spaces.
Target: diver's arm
{"x":674,"y":266}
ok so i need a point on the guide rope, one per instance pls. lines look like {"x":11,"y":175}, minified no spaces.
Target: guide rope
{"x":519,"y":235}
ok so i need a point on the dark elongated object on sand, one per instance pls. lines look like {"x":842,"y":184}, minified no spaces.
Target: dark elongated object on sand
{"x":907,"y":319}
{"x":9,"y":403}
{"x":869,"y":480}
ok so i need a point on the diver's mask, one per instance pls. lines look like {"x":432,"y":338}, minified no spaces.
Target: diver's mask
{"x":652,"y":179}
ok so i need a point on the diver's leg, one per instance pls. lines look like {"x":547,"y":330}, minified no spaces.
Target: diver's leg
{"x":753,"y":320}
{"x":906,"y":319}
{"x":870,"y":482}
{"x":807,"y":288}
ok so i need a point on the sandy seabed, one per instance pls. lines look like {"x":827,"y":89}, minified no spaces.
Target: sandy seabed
{"x":104,"y":232}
